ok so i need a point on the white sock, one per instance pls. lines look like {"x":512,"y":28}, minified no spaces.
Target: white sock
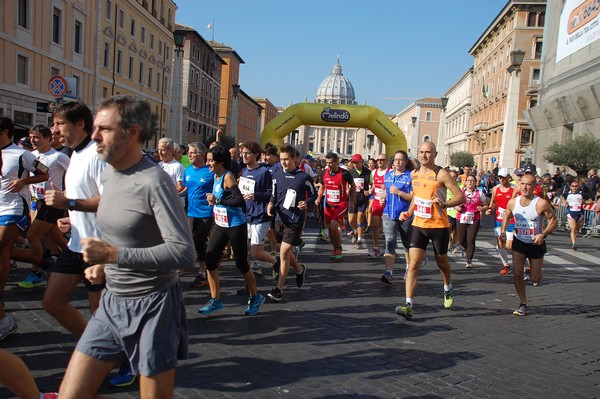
{"x":409,"y":301}
{"x":503,"y":256}
{"x":447,"y":287}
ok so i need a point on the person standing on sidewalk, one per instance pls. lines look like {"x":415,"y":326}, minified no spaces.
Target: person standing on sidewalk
{"x":501,"y":194}
{"x":198,"y":181}
{"x":395,"y":200}
{"x":529,"y":241}
{"x":145,"y":238}
{"x":337,"y":183}
{"x":430,"y":223}
{"x":292,"y":190}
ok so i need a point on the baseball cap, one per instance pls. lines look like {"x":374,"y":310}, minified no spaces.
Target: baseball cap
{"x":26,"y":143}
{"x":519,"y":172}
{"x":503,"y":172}
{"x":356,"y":158}
{"x":530,"y":168}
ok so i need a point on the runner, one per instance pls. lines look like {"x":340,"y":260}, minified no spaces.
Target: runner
{"x":469,"y":218}
{"x":574,"y":203}
{"x":452,"y":213}
{"x":356,"y":213}
{"x":377,"y":191}
{"x":529,"y":241}
{"x":396,"y":199}
{"x":292,"y":190}
{"x":430,"y":223}
{"x":337,"y":182}
{"x":501,"y":194}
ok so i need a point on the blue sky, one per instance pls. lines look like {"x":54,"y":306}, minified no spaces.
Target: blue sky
{"x":387,"y":48}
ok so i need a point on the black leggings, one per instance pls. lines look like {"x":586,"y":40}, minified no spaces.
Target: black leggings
{"x":219,"y":237}
{"x":467,"y":234}
{"x":200,"y":230}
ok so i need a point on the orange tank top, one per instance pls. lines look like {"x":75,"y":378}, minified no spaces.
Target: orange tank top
{"x":426,"y":188}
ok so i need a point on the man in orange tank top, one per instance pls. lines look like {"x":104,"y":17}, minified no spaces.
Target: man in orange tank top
{"x":430,"y":183}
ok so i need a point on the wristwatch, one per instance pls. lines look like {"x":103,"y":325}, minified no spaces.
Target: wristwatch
{"x":71,"y":203}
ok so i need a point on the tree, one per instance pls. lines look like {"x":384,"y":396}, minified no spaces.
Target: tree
{"x":580,"y":154}
{"x":461,"y":159}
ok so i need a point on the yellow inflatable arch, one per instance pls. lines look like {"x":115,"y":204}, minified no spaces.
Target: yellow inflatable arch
{"x":321,"y":114}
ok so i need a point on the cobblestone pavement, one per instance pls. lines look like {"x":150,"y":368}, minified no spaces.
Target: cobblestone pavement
{"x":338,"y":337}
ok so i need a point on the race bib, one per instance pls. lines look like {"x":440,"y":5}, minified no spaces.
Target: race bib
{"x":379,"y":193}
{"x":333,"y":196}
{"x":575,"y":206}
{"x":39,"y":190}
{"x":359,"y":182}
{"x":467,"y":217}
{"x":290,"y":199}
{"x":423,"y":208}
{"x":500,"y":212}
{"x":246,"y":185}
{"x":525,"y":230}
{"x":220,"y":216}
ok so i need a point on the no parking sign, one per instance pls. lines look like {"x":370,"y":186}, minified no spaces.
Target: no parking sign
{"x":57,"y":86}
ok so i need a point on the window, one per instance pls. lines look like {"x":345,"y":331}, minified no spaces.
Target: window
{"x":535,"y":79}
{"x":119,"y":60}
{"x":56,"y":28}
{"x":130,"y":71}
{"x":160,"y":44}
{"x":150,"y":71}
{"x":22,"y":13}
{"x":77,"y":37}
{"x":531,"y":19}
{"x":106,"y":56}
{"x":537,"y":51}
{"x":77,"y":86}
{"x":104,"y":92}
{"x":532,"y":102}
{"x":428,"y":116}
{"x":152,"y":41}
{"x":526,"y":137}
{"x":141,"y":75}
{"x":542,"y":19}
{"x":158,"y":80}
{"x":108,"y":9}
{"x":132,"y":27}
{"x":121,"y":19}
{"x":54,"y":71}
{"x":22,"y":69}
{"x":143,"y":35}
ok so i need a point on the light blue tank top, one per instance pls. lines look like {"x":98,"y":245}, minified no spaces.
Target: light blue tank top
{"x":226,"y":216}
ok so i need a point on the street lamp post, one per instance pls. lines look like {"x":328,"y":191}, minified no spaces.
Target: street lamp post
{"x":511,"y":117}
{"x":176,"y":100}
{"x":441,"y":139}
{"x":234,"y":112}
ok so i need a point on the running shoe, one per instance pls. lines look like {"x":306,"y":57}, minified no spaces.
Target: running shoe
{"x":354,"y":239}
{"x":124,"y":377}
{"x":254,"y":303}
{"x":448,"y":298}
{"x":256,"y":267}
{"x":199,"y":281}
{"x":522,"y":310}
{"x":359,"y":244}
{"x":533,"y":283}
{"x":8,"y":325}
{"x":455,"y":250}
{"x":211,"y":306}
{"x":527,"y":275}
{"x":338,"y":255}
{"x":574,"y":247}
{"x":387,"y":277}
{"x":34,"y":280}
{"x":276,"y":294}
{"x":505,"y":270}
{"x":374,"y":252}
{"x":468,"y":265}
{"x":301,"y":277}
{"x":405,"y":311}
{"x":13,"y":264}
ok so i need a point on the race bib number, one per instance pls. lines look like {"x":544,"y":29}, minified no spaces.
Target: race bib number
{"x":220,"y":216}
{"x":290,"y":199}
{"x":378,"y":193}
{"x":423,"y":208}
{"x":246,"y":185}
{"x":500,"y":212}
{"x":525,"y":230}
{"x":359,"y":182}
{"x":575,"y":206}
{"x":467,"y":217}
{"x":39,"y":190}
{"x":333,"y":196}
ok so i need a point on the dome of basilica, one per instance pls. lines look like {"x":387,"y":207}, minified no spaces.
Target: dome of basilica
{"x":336,"y":89}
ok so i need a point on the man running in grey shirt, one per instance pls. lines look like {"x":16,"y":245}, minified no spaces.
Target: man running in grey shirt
{"x":145,"y":238}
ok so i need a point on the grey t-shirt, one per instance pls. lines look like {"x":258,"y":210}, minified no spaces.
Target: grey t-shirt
{"x":140,"y":214}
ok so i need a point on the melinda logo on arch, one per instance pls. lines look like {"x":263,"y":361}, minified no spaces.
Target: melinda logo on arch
{"x":335,"y":115}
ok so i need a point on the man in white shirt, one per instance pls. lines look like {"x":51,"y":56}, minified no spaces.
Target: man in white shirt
{"x":168,"y":163}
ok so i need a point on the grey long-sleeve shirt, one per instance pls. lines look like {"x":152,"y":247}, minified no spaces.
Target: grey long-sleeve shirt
{"x":140,"y":214}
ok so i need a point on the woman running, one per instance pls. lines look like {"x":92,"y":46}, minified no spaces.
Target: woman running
{"x":573,"y":200}
{"x":469,"y":218}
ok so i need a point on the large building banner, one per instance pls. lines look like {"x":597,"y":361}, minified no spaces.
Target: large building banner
{"x":579,"y":26}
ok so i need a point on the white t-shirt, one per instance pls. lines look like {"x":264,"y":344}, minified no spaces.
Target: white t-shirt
{"x":16,"y":164}
{"x":82,"y":181}
{"x":175,"y":170}
{"x":57,"y":163}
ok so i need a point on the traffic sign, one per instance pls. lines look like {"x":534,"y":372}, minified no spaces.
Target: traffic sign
{"x":57,"y":86}
{"x":493,"y":159}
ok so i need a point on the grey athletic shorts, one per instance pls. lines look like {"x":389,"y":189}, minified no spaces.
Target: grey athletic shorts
{"x":151,"y":331}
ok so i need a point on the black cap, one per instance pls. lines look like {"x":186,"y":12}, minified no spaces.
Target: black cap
{"x":530,"y":168}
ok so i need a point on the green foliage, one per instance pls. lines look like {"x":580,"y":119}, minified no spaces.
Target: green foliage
{"x":580,"y":154}
{"x":461,"y":159}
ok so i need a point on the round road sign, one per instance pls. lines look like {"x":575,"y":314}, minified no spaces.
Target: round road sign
{"x":57,"y":86}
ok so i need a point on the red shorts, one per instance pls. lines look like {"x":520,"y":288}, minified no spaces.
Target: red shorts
{"x":376,"y":208}
{"x":335,"y":212}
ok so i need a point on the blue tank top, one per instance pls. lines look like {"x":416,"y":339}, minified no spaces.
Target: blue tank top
{"x":226,"y":216}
